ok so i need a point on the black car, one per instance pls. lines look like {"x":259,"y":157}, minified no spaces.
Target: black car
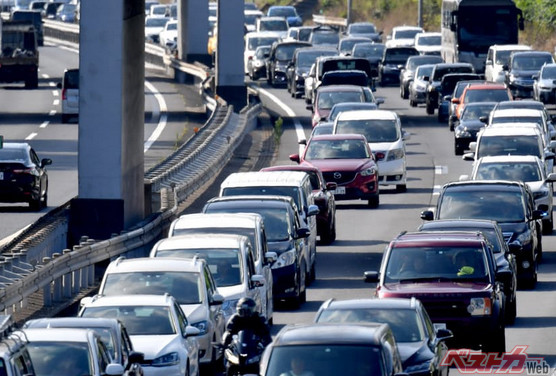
{"x":421,"y":345}
{"x":300,"y":65}
{"x":510,"y":204}
{"x":408,"y":71}
{"x":433,"y":95}
{"x":332,"y":349}
{"x":522,"y":67}
{"x":470,"y":124}
{"x":446,"y":92}
{"x":392,"y":62}
{"x":23,"y":176}
{"x":284,"y":236}
{"x":503,"y":253}
{"x":372,"y":52}
{"x":281,"y":54}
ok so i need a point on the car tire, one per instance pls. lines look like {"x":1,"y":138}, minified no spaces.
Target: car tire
{"x":35,"y":205}
{"x":313,"y":275}
{"x":65,"y":118}
{"x":458,"y":150}
{"x":511,"y":312}
{"x":451,"y":125}
{"x":496,"y":343}
{"x":32,"y":83}
{"x":401,"y":188}
{"x":412,"y":103}
{"x":430,"y":109}
{"x":548,"y":225}
{"x":405,"y":94}
{"x":44,"y":202}
{"x":531,"y":281}
{"x":374,"y":202}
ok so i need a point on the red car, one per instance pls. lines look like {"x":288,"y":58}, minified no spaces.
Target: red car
{"x":323,"y":194}
{"x":347,"y":160}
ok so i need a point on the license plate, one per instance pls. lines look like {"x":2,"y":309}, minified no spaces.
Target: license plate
{"x":340,"y":191}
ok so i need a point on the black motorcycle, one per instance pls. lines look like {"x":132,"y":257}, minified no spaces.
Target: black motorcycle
{"x":243,"y":354}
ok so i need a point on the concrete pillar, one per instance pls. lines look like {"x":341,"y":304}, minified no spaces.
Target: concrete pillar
{"x":193,"y":27}
{"x":111,"y":119}
{"x":230,"y":76}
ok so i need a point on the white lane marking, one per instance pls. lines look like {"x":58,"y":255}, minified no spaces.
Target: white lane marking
{"x":436,"y":190}
{"x":44,"y":124}
{"x":56,"y":102}
{"x":52,"y":84}
{"x":45,"y":76}
{"x":163,"y":118}
{"x":55,"y":93}
{"x":440,"y":170}
{"x":52,"y":113}
{"x":31,"y":136}
{"x":298,"y":127}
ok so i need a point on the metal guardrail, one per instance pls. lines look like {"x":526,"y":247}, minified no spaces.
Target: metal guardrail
{"x":36,"y":262}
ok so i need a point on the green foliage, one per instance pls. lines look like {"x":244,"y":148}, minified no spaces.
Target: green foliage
{"x":277,"y":134}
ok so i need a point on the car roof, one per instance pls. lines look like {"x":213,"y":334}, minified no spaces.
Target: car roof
{"x":148,"y":264}
{"x":486,"y":86}
{"x":528,"y":103}
{"x":511,"y":129}
{"x":530,"y":53}
{"x":265,"y":178}
{"x":201,"y":220}
{"x":447,"y":223}
{"x":494,"y":185}
{"x":367,"y":114}
{"x":255,"y":200}
{"x":339,"y":88}
{"x":296,"y":167}
{"x":405,"y":27}
{"x":511,"y":47}
{"x":342,"y":136}
{"x":57,"y":334}
{"x":16,"y":145}
{"x":203,"y":241}
{"x":517,"y":112}
{"x":73,"y":322}
{"x":162,"y":300}
{"x":469,"y":238}
{"x":361,"y":303}
{"x":508,"y":158}
{"x":327,"y":333}
{"x":428,"y":34}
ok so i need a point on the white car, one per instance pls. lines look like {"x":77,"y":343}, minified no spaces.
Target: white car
{"x":428,"y":43}
{"x":248,"y":224}
{"x":418,"y":87}
{"x":70,"y":94}
{"x":526,"y":168}
{"x":544,"y":86}
{"x":250,"y":17}
{"x":190,"y":282}
{"x":157,"y":327}
{"x":230,"y":259}
{"x":275,"y":24}
{"x":63,"y":351}
{"x":498,"y":55}
{"x":153,"y":26}
{"x":169,"y":36}
{"x":254,"y":40}
{"x":386,"y":139}
{"x":403,"y":36}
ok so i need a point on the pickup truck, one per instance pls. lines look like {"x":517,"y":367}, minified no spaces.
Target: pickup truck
{"x":19,"y":57}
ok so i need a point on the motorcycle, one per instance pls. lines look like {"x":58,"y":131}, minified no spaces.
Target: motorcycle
{"x":243,"y":354}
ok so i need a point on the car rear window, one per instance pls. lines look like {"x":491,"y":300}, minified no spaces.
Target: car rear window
{"x":71,"y":79}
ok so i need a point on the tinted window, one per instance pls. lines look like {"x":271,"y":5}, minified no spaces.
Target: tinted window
{"x":520,"y":171}
{"x":508,"y":145}
{"x":374,"y":130}
{"x":341,"y":149}
{"x":67,"y":358}
{"x":71,"y":79}
{"x":138,"y":320}
{"x":488,"y":95}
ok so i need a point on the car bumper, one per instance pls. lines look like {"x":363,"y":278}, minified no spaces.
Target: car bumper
{"x":205,"y":342}
{"x":418,"y":97}
{"x":20,"y":192}
{"x":284,"y":282}
{"x":547,"y":96}
{"x":176,"y":370}
{"x":392,"y":172}
{"x":521,"y":91}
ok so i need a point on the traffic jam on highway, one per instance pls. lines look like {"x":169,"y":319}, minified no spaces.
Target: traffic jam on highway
{"x":205,"y":298}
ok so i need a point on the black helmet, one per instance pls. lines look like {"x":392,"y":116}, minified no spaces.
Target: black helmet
{"x":246,"y":307}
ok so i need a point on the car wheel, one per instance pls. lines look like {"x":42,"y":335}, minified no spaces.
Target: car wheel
{"x":458,"y":150}
{"x":65,"y":118}
{"x":402,"y":95}
{"x":44,"y":202}
{"x":511,"y":312}
{"x":313,"y":275}
{"x":374,"y":202}
{"x":36,"y":205}
{"x":401,"y":188}
{"x":412,"y":103}
{"x":547,"y":225}
{"x":451,"y":125}
{"x":405,"y":93}
{"x":496,"y":343}
{"x":531,"y":281}
{"x":430,"y":109}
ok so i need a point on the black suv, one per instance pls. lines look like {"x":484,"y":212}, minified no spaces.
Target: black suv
{"x":510,"y":204}
{"x":502,"y":253}
{"x":453,"y":274}
{"x":522,"y":67}
{"x":392,"y":62}
{"x":432,"y":92}
{"x":281,"y":54}
{"x":300,"y":65}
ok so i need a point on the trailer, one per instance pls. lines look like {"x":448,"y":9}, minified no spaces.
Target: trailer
{"x":19,"y":57}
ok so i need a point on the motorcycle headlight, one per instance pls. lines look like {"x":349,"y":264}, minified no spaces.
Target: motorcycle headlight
{"x":368,"y":171}
{"x":395,"y":154}
{"x":285,"y":259}
{"x":202,"y":326}
{"x":229,"y":306}
{"x":480,"y":307}
{"x":166,"y":360}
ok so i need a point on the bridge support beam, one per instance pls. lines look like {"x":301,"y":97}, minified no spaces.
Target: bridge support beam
{"x":193,"y":31}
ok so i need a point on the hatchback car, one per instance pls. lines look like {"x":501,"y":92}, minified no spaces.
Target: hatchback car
{"x":169,"y":35}
{"x":229,"y":258}
{"x":421,"y":346}
{"x":347,"y":160}
{"x":488,"y":92}
{"x":69,"y":352}
{"x":332,"y":349}
{"x":190,"y":282}
{"x":372,"y":52}
{"x":23,"y":176}
{"x":393,"y":60}
{"x":256,"y":66}
{"x":157,"y":327}
{"x":111,"y":331}
{"x":386,"y":138}
{"x":253,"y":40}
{"x":428,"y":43}
{"x":70,"y":94}
{"x":280,"y":56}
{"x":327,"y":96}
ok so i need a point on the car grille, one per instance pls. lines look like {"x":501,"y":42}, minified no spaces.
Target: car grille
{"x":339,"y":177}
{"x":445,"y":308}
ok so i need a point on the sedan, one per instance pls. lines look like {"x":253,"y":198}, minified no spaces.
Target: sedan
{"x":327,"y":96}
{"x":422,"y":347}
{"x":347,"y":160}
{"x":23,"y":176}
{"x":256,"y":66}
{"x":470,"y":124}
{"x":544,"y":86}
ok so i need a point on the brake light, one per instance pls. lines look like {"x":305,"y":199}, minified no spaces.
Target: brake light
{"x":64,"y":94}
{"x":29,"y":171}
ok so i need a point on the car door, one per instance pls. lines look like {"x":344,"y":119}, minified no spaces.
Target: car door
{"x":254,"y":291}
{"x":215,"y":310}
{"x":263,"y":268}
{"x":189,"y":342}
{"x":42,"y":172}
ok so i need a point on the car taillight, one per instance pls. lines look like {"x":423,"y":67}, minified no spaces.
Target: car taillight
{"x":30,"y":171}
{"x":64,"y":94}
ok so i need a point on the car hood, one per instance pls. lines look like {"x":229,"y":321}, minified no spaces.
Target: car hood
{"x":403,"y":42}
{"x":153,"y":346}
{"x":153,"y":30}
{"x":524,"y":73}
{"x":472,"y":124}
{"x":537,"y":186}
{"x":328,"y":165}
{"x":436,"y":289}
{"x":412,"y":353}
{"x":383,"y":146}
{"x":195,"y":312}
{"x":231,"y":292}
{"x":302,"y":70}
{"x":279,"y":246}
{"x":547,"y":82}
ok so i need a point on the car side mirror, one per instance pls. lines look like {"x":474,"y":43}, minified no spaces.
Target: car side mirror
{"x":46,"y":162}
{"x":426,"y":78}
{"x":379,"y":101}
{"x":302,"y":232}
{"x":483,"y":119}
{"x":427,"y":215}
{"x":505,"y":276}
{"x":455,"y":100}
{"x":191,"y":331}
{"x":463,"y":177}
{"x":217,"y":299}
{"x":443,"y":334}
{"x":468,"y":156}
{"x":270,"y":257}
{"x":406,"y":135}
{"x":302,"y":141}
{"x":294,"y":158}
{"x":59,"y":85}
{"x":551,"y":178}
{"x":447,"y":98}
{"x":371,"y":276}
{"x":114,"y":369}
{"x":136,"y":357}
{"x":515,"y":247}
{"x":309,"y":107}
{"x":313,"y":210}
{"x":331,"y":186}
{"x":257,"y":280}
{"x":539,"y":214}
{"x":488,"y":62}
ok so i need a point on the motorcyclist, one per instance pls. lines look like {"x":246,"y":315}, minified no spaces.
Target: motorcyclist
{"x":246,"y":318}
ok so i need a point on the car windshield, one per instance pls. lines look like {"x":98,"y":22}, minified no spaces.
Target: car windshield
{"x":520,"y":171}
{"x":549,"y":72}
{"x":368,"y":50}
{"x":260,"y":41}
{"x":291,"y":191}
{"x":307,"y":58}
{"x":325,"y":38}
{"x":405,"y":323}
{"x":413,"y":63}
{"x":285,"y":51}
{"x":225,"y":263}
{"x":429,"y":41}
{"x":322,"y":129}
{"x":517,"y":119}
{"x":172,"y":26}
{"x":138,"y":320}
{"x":362,"y":29}
{"x":337,"y":149}
{"x":282,"y":12}
{"x":156,"y":21}
{"x":375,"y":130}
{"x":424,"y":71}
{"x":503,"y":57}
{"x":273,"y":25}
{"x":528,"y":62}
{"x":474,"y":112}
{"x":262,"y":52}
{"x":328,"y":359}
{"x":341,"y":107}
{"x":346,"y":45}
{"x":327,"y":99}
{"x":496,"y":205}
{"x":508,"y":145}
{"x":399,"y":55}
{"x":245,"y":231}
{"x":441,"y":71}
{"x":436,"y":263}
{"x":184,"y":286}
{"x":406,"y":34}
{"x":67,"y":358}
{"x":488,"y":95}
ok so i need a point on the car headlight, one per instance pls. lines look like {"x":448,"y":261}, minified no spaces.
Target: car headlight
{"x":395,"y":154}
{"x":285,"y":259}
{"x":524,"y":238}
{"x":540,"y":194}
{"x":421,"y":367}
{"x":419,"y":86}
{"x":259,"y":63}
{"x":368,"y":171}
{"x":202,"y":326}
{"x":229,"y":306}
{"x":462,"y":132}
{"x":166,"y":360}
{"x":480,"y":307}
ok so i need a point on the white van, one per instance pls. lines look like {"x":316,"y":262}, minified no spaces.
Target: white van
{"x":498,"y":55}
{"x":386,"y":139}
{"x":70,"y":94}
{"x":247,"y":224}
{"x":294,"y":184}
{"x":254,"y":40}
